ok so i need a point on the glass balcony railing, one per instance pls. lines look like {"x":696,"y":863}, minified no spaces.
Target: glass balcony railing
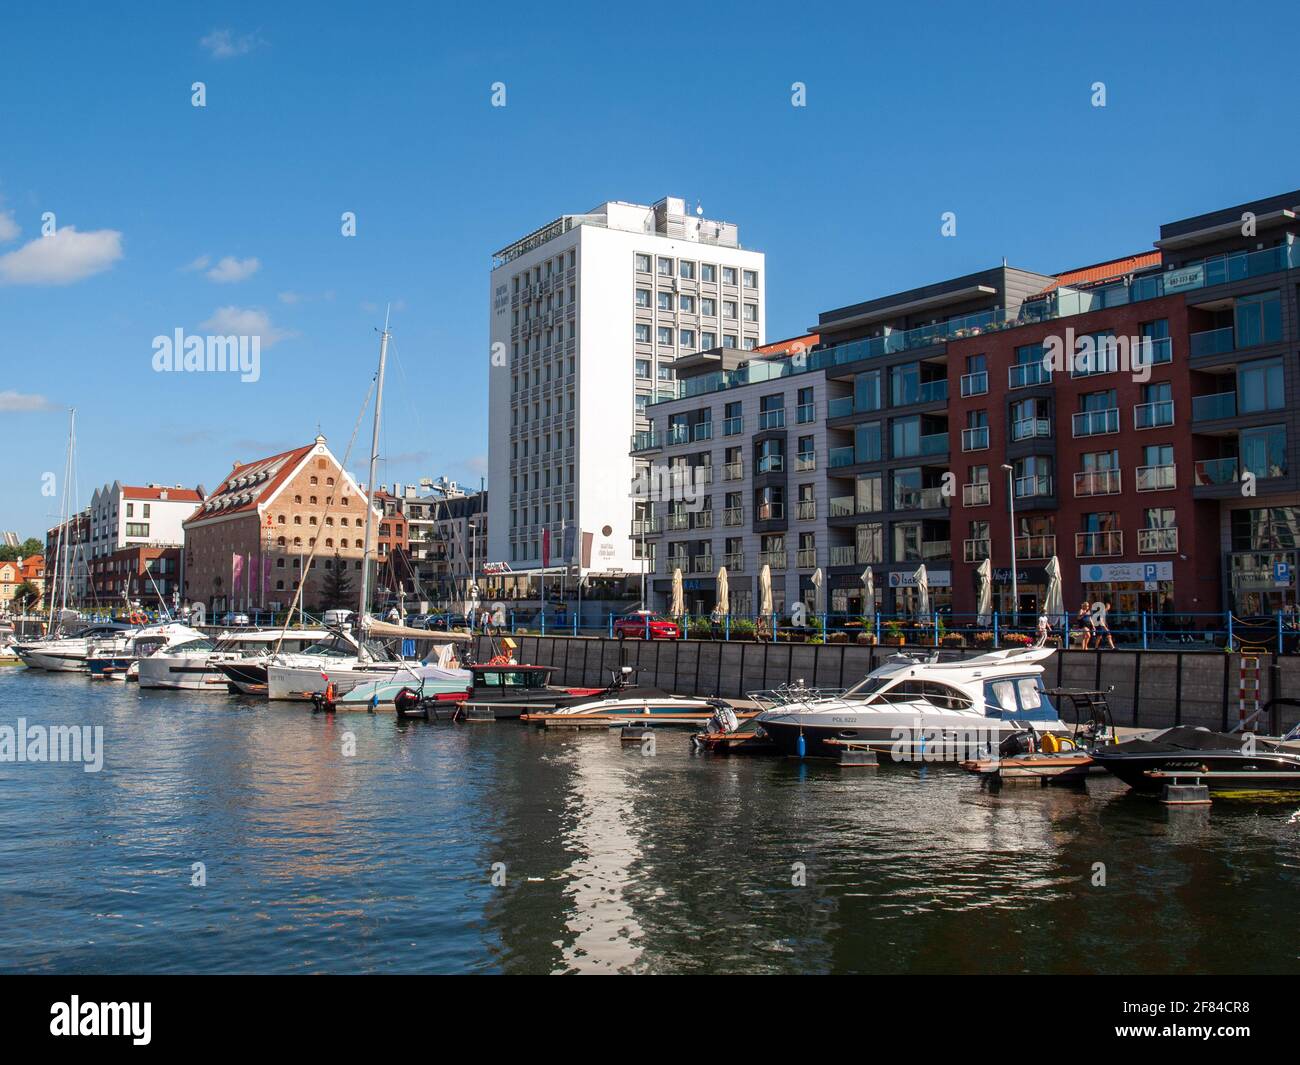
{"x":678,"y":522}
{"x":805,"y":462}
{"x":733,"y":471}
{"x":919,"y":498}
{"x":770,"y":512}
{"x":702,"y":564}
{"x":806,"y":509}
{"x":1096,"y":422}
{"x":934,"y":444}
{"x":976,"y":439}
{"x":841,"y":456}
{"x":771,"y":419}
{"x":1217,"y":471}
{"x":936,"y":550}
{"x":773,"y":559}
{"x":1211,"y":408}
{"x":646,"y":526}
{"x":1157,"y":541}
{"x":1212,"y":342}
{"x":932,"y":391}
{"x":839,"y":407}
{"x":1156,"y":478}
{"x":1034,"y":487}
{"x":733,"y":426}
{"x":1153,"y":415}
{"x":804,"y":413}
{"x":976,"y":495}
{"x":806,"y":558}
{"x":702,"y":519}
{"x":1028,"y":374}
{"x":734,"y":561}
{"x":646,"y":441}
{"x":844,"y":555}
{"x":703,"y":431}
{"x":733,"y":516}
{"x":1031,"y":428}
{"x":679,"y":434}
{"x":975,"y":550}
{"x":841,"y":507}
{"x":975,"y":384}
{"x":1099,"y":544}
{"x":1097,"y":483}
{"x":1039,"y":546}
{"x":771,"y":464}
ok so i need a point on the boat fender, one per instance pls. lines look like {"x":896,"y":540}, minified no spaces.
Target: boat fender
{"x":800,"y":746}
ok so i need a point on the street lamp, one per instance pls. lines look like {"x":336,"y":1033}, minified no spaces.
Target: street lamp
{"x":1011,"y":498}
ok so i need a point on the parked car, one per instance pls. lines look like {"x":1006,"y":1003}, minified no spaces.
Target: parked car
{"x":232,"y":618}
{"x":447,"y":622}
{"x":636,"y":622}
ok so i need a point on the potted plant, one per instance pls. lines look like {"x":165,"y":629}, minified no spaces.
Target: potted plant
{"x":984,"y":639}
{"x":1017,"y":639}
{"x":952,"y":639}
{"x":867,"y":637}
{"x":894,"y":634}
{"x":742,"y":629}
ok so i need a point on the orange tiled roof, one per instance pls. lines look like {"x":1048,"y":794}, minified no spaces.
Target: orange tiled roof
{"x":250,"y":483}
{"x":174,"y":495}
{"x":782,"y":347}
{"x":1090,"y":275}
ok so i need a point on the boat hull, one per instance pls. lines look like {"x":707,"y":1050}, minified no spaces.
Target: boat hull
{"x":892,"y":741}
{"x":1220,"y":772}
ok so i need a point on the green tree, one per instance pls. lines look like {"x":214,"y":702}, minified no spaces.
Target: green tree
{"x":30,"y":546}
{"x":26,"y":596}
{"x":336,"y":589}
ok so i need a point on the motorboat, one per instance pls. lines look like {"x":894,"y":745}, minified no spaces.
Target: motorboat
{"x":511,"y":690}
{"x":66,"y":653}
{"x":920,"y":708}
{"x":623,"y":702}
{"x":1221,"y":761}
{"x":1052,"y":758}
{"x":439,"y":675}
{"x":194,"y":666}
{"x":117,"y":657}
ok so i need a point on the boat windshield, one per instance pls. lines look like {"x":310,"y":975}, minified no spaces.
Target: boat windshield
{"x":335,"y":648}
{"x":1019,"y":698}
{"x":867,"y":686}
{"x":195,"y":645}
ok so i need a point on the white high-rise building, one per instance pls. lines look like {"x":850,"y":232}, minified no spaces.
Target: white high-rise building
{"x":588,"y":315}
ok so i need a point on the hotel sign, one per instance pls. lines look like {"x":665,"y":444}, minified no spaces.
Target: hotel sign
{"x":1184,"y":278}
{"x":935,"y":578}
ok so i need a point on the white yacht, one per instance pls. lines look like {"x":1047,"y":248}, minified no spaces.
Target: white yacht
{"x":66,"y":653}
{"x":195,"y":666}
{"x":914,"y":709}
{"x":116,"y":658}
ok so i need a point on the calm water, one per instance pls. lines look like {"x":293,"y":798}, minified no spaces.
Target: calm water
{"x":381,"y":861}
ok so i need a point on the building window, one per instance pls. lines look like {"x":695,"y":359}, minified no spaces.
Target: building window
{"x":643,"y":368}
{"x":666,"y":301}
{"x":666,"y":336}
{"x":643,"y":297}
{"x":708,"y":272}
{"x":728,"y":275}
{"x":687,"y":270}
{"x":665,"y":268}
{"x":642,"y":333}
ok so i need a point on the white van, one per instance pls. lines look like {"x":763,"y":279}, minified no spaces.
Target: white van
{"x":341,"y":618}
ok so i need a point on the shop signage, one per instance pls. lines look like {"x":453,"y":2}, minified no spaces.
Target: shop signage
{"x":1185,"y":278}
{"x":1119,"y":572}
{"x":1027,"y":575}
{"x":936,"y":578}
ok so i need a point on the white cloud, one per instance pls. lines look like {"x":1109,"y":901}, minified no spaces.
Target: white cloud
{"x":223,"y":44}
{"x":246,"y":321}
{"x":61,"y":258}
{"x":201,"y":263}
{"x":9,"y":229}
{"x":232,"y":269}
{"x":16,"y":402}
{"x":290,"y":297}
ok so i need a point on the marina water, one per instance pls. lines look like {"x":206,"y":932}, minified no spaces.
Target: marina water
{"x":315,"y":860}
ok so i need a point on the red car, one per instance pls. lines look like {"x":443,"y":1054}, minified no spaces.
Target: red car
{"x":634,"y":624}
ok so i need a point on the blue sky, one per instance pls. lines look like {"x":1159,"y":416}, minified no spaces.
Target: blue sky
{"x":384,"y":110}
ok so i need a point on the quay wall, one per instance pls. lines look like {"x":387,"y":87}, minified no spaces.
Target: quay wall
{"x":1151,"y":689}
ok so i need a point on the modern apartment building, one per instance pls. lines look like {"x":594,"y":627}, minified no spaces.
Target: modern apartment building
{"x":589,"y":316}
{"x":1139,"y":416}
{"x":446,"y":538}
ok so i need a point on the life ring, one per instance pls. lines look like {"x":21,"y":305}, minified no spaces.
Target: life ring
{"x":499,"y":660}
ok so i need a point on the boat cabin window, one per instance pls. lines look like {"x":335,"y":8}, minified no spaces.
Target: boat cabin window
{"x":509,"y":678}
{"x":195,"y":645}
{"x":1022,"y":698}
{"x":942,"y":695}
{"x":335,"y":648}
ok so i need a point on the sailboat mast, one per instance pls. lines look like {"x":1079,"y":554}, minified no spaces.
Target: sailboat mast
{"x":370,"y":485}
{"x":65,"y":538}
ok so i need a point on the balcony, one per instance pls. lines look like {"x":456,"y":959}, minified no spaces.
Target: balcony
{"x":975,"y":384}
{"x":678,"y":434}
{"x":733,"y":516}
{"x":700,"y":475}
{"x":806,"y":558}
{"x":806,"y":510}
{"x":678,"y":522}
{"x":703,"y":431}
{"x":1031,"y":428}
{"x":1028,"y":374}
{"x":770,"y":512}
{"x":1217,"y":471}
{"x":1212,"y":342}
{"x":734,"y":561}
{"x":931,"y":391}
{"x":681,"y":562}
{"x":976,"y":439}
{"x":733,"y":426}
{"x":975,"y":550}
{"x":646,"y":526}
{"x":844,"y":555}
{"x":1097,"y":483}
{"x":1034,"y":487}
{"x":1153,"y":415}
{"x":976,"y":495}
{"x":771,"y":419}
{"x":804,"y":413}
{"x":646,"y":441}
{"x":805,"y":462}
{"x":842,"y":456}
{"x":842,"y":507}
{"x":733,"y":471}
{"x":1034,"y":547}
{"x":839,"y":407}
{"x":1156,"y":478}
{"x":936,"y":550}
{"x":774,"y":559}
{"x":1157,"y":541}
{"x":1213,"y":407}
{"x":771,"y":464}
{"x":1096,"y":422}
{"x":702,"y":519}
{"x":702,"y":564}
{"x":1099,"y":544}
{"x":919,"y":498}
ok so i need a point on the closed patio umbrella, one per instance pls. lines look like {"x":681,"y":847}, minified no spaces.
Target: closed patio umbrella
{"x":819,"y":592}
{"x":765,"y":591}
{"x":724,"y":604}
{"x":679,"y":605}
{"x":922,"y":591}
{"x":984,"y":600}
{"x":1054,"y":603}
{"x":868,"y":592}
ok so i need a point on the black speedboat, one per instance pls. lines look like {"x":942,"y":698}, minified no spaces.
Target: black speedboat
{"x":509,"y":691}
{"x":1221,"y":761}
